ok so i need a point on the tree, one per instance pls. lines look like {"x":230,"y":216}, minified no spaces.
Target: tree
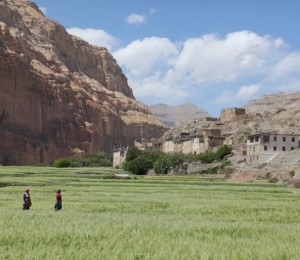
{"x":139,"y":165}
{"x":223,"y":151}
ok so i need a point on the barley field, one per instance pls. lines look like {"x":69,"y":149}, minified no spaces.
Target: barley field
{"x":159,"y":217}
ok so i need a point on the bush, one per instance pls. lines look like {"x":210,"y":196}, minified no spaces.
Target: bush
{"x":100,"y":159}
{"x":207,"y":157}
{"x":292,"y":173}
{"x":166,"y":161}
{"x":61,"y":163}
{"x":223,"y":151}
{"x":132,"y":154}
{"x":138,"y":166}
{"x":273,"y":180}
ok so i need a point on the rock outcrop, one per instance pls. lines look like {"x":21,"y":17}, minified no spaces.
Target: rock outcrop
{"x":59,"y":95}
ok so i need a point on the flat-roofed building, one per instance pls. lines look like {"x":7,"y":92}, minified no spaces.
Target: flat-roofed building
{"x":263,"y":147}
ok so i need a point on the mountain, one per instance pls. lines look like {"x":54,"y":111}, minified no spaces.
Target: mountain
{"x":59,"y":95}
{"x":173,"y":116}
{"x":271,"y":102}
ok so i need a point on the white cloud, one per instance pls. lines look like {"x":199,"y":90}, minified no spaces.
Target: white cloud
{"x":95,"y":37}
{"x":143,"y":57}
{"x":290,"y":64}
{"x":199,"y":65}
{"x":212,"y":59}
{"x":135,"y":19}
{"x":243,"y":93}
{"x":43,"y":9}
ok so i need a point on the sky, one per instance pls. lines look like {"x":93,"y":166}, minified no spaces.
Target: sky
{"x":212,"y":53}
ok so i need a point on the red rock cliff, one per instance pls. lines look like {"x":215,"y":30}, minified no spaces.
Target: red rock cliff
{"x":58,"y":94}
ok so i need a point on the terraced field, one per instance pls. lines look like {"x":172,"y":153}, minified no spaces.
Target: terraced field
{"x":159,"y":217}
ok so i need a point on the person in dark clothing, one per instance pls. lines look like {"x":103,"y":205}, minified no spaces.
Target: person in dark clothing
{"x":58,"y":204}
{"x":26,"y":200}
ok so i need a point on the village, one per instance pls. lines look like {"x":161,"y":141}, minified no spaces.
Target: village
{"x":256,"y":149}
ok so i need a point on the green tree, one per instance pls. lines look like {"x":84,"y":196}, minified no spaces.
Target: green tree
{"x":207,"y":157}
{"x":223,"y":151}
{"x":139,"y":165}
{"x":166,"y":161}
{"x":132,"y":153}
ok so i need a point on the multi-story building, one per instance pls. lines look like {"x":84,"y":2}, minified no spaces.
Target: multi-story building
{"x":194,"y":143}
{"x":263,"y":147}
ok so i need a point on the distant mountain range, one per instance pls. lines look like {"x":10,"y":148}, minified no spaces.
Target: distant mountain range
{"x":173,"y":116}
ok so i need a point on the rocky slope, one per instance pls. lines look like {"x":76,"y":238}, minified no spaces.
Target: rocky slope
{"x":173,"y":116}
{"x":58,"y":94}
{"x":271,"y":102}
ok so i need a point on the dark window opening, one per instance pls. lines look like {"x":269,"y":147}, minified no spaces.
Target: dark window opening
{"x":265,"y":148}
{"x":266,"y":138}
{"x":283,"y":148}
{"x":274,"y":148}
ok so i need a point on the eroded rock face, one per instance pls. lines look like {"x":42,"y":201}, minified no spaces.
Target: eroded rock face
{"x":58,"y":94}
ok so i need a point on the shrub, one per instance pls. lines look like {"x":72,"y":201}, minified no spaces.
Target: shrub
{"x":273,"y":180}
{"x":207,"y":157}
{"x":100,"y":159}
{"x":61,"y":163}
{"x":292,"y":173}
{"x":165,"y":161}
{"x":132,"y":153}
{"x":223,"y":151}
{"x":139,"y":165}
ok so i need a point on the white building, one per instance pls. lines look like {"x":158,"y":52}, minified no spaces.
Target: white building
{"x":265,"y":146}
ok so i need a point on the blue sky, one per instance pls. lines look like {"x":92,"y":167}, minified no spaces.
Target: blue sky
{"x":212,"y":53}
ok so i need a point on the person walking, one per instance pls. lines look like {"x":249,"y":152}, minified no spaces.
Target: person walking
{"x":26,"y":200}
{"x":58,"y":204}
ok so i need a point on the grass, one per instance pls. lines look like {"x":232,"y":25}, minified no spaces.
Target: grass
{"x":158,"y":217}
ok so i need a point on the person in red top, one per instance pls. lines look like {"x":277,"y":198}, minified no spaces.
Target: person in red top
{"x":58,"y":204}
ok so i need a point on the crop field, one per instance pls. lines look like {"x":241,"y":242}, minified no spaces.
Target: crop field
{"x":144,"y":217}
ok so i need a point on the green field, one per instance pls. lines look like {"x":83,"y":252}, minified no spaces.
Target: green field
{"x":167,"y":217}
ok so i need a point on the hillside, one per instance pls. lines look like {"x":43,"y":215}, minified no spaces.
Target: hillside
{"x":281,"y":116}
{"x":59,"y":95}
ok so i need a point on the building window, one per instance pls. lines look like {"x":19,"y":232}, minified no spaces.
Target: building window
{"x":274,"y":148}
{"x":292,"y":148}
{"x":251,"y":139}
{"x":265,"y":148}
{"x":283,"y":138}
{"x":275,"y":138}
{"x":266,"y":138}
{"x":256,"y":138}
{"x":283,"y":148}
{"x":293,"y":139}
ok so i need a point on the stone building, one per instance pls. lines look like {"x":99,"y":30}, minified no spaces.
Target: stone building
{"x":263,"y":147}
{"x":194,"y":143}
{"x":231,"y":114}
{"x":119,"y":156}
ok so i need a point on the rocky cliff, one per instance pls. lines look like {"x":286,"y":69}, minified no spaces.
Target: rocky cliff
{"x":58,"y":94}
{"x":173,"y":116}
